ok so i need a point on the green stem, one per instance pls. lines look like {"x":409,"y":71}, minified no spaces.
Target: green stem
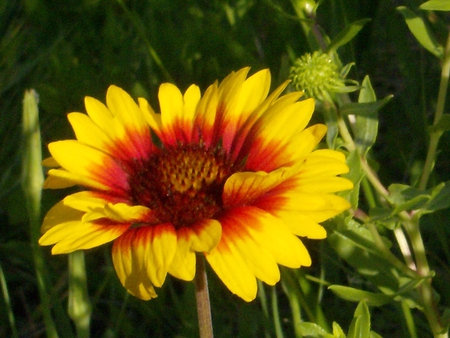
{"x":409,"y":319}
{"x":429,"y":305}
{"x":436,"y":135}
{"x":265,"y":308}
{"x":202,"y":297}
{"x":8,"y":306}
{"x":387,"y":254}
{"x":276,"y":314}
{"x":32,"y":180}
{"x":305,"y":10}
{"x":79,"y":306}
{"x":404,"y":248}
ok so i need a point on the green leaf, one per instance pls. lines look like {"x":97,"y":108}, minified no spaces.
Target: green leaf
{"x":405,"y":197}
{"x":346,"y":69}
{"x":365,"y":108}
{"x":312,"y":330}
{"x":374,"y":335}
{"x":366,"y":126}
{"x":355,"y":245}
{"x":367,"y":94}
{"x":383,"y":216}
{"x":331,"y":122}
{"x":442,"y":125}
{"x":440,"y":198}
{"x":436,"y":5}
{"x":346,"y":35}
{"x":355,"y":175}
{"x":360,"y":325}
{"x":356,"y":295}
{"x":337,"y":331}
{"x":420,"y":31}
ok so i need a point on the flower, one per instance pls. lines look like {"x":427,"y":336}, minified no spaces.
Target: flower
{"x":232,"y":175}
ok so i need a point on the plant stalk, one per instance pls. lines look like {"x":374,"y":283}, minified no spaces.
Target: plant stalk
{"x":202,"y":298}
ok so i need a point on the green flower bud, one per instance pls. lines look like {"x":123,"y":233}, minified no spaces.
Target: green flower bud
{"x":317,"y":75}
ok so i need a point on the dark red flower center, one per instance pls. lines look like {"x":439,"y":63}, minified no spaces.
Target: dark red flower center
{"x":182,"y":185}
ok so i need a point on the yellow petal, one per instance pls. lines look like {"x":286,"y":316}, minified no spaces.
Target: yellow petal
{"x":324,"y":184}
{"x":100,"y":114}
{"x":171,"y":105}
{"x":160,"y":244}
{"x":131,"y":270}
{"x":85,"y":201}
{"x":205,"y":235}
{"x":320,"y":164}
{"x":270,"y":232}
{"x":76,"y":235}
{"x":269,"y":152}
{"x":319,"y":207}
{"x":87,"y":131}
{"x":142,"y":256}
{"x":183,"y":263}
{"x":153,"y":119}
{"x":252,"y":243}
{"x":232,"y":269}
{"x":302,"y":225}
{"x":119,"y":212}
{"x":58,"y":214}
{"x":244,"y":187}
{"x":241,"y":103}
{"x":206,"y":114}
{"x":60,"y":178}
{"x":55,"y":182}
{"x":273,"y":97}
{"x":85,"y":161}
{"x":50,"y":162}
{"x":191,"y":98}
{"x":123,"y":107}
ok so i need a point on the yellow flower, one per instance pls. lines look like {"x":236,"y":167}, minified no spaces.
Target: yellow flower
{"x":232,"y":175}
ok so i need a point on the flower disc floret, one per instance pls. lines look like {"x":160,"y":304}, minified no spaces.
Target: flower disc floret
{"x":182,"y":184}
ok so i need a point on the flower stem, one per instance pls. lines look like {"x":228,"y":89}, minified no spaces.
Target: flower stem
{"x":436,"y":134}
{"x":202,"y":297}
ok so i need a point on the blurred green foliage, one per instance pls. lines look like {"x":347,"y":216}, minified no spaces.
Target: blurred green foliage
{"x":66,"y":50}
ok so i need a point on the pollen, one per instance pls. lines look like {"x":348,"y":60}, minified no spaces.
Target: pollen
{"x":182,"y":185}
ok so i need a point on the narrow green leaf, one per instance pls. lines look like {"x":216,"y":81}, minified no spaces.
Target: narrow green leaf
{"x":364,"y":108}
{"x":374,"y":335}
{"x":356,"y":295}
{"x":333,"y":129}
{"x":312,"y":330}
{"x":436,"y":5}
{"x":379,"y":214}
{"x":367,"y":94}
{"x":355,"y":175}
{"x":405,"y":197}
{"x":355,"y":245}
{"x":440,"y":197}
{"x":420,"y":31}
{"x":366,"y":126}
{"x":337,"y":331}
{"x":360,"y":325}
{"x":346,"y":35}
